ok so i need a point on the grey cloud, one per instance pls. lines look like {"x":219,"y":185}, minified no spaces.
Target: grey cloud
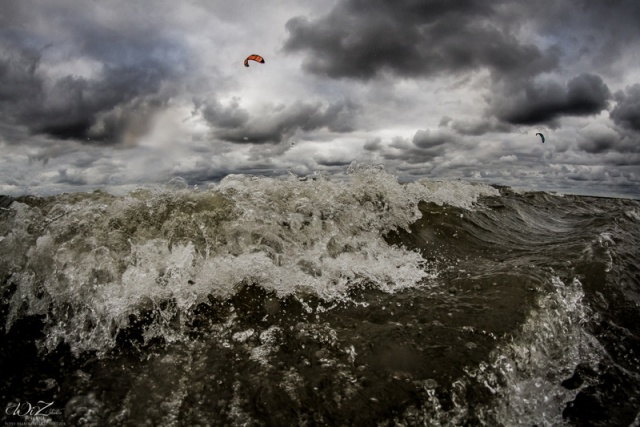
{"x":17,"y":74}
{"x":613,"y":147}
{"x":598,"y":143}
{"x":475,"y":127}
{"x":544,"y":102}
{"x":280,"y":123}
{"x":333,"y":161}
{"x":225,"y":117}
{"x":70,"y":178}
{"x":373,"y":144}
{"x":407,"y":38}
{"x":136,"y":69}
{"x":126,"y":122}
{"x":445,"y":121}
{"x":426,"y":139}
{"x":424,"y":146}
{"x":364,"y":40}
{"x":80,"y":108}
{"x":595,"y":32}
{"x":103,"y":70}
{"x":626,"y":113}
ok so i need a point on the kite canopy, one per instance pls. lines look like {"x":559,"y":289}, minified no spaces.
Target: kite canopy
{"x":256,"y":58}
{"x":541,"y":136}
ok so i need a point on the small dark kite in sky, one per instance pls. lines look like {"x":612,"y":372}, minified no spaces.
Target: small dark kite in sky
{"x":541,"y":135}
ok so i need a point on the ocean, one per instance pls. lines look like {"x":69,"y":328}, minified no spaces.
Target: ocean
{"x":320,"y":301}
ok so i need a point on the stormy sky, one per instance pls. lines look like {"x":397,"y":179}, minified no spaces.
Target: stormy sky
{"x":118,"y":94}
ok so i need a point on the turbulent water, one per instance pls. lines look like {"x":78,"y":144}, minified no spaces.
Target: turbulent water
{"x":320,"y":302}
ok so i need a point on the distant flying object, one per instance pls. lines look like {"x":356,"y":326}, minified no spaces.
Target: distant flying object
{"x":541,"y":136}
{"x":256,"y":58}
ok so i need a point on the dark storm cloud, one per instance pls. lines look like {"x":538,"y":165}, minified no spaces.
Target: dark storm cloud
{"x":17,"y":74}
{"x":600,"y":32}
{"x":225,"y":117}
{"x":132,"y":71}
{"x":69,"y":178}
{"x":360,"y":39}
{"x":80,"y":108}
{"x":373,"y":144}
{"x":112,"y":72}
{"x":426,"y":139}
{"x":622,"y":146}
{"x":626,"y":113}
{"x":333,"y":161}
{"x":597,"y":144}
{"x":234,"y":124}
{"x":424,"y":146}
{"x":407,"y":38}
{"x":543,"y":102}
{"x":475,"y":127}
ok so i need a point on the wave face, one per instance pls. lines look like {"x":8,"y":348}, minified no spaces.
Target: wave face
{"x":321,"y":302}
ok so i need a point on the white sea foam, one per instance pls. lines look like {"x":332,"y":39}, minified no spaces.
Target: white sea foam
{"x":525,"y":375}
{"x":88,"y":261}
{"x":528,"y":372}
{"x":633,"y":214}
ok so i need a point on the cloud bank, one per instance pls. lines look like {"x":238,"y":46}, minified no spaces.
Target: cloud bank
{"x":124,"y":94}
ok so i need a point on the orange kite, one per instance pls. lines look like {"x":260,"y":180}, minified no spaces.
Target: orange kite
{"x":256,"y":58}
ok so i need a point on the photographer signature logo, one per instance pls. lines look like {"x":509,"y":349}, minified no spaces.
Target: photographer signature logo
{"x":33,"y":414}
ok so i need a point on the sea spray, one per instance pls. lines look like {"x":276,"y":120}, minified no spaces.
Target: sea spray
{"x":87,"y":262}
{"x":320,"y":301}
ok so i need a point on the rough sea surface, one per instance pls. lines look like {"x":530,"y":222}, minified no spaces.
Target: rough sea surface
{"x":320,"y":302}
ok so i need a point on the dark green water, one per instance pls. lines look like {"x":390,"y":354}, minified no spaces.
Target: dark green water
{"x":364,"y":302}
